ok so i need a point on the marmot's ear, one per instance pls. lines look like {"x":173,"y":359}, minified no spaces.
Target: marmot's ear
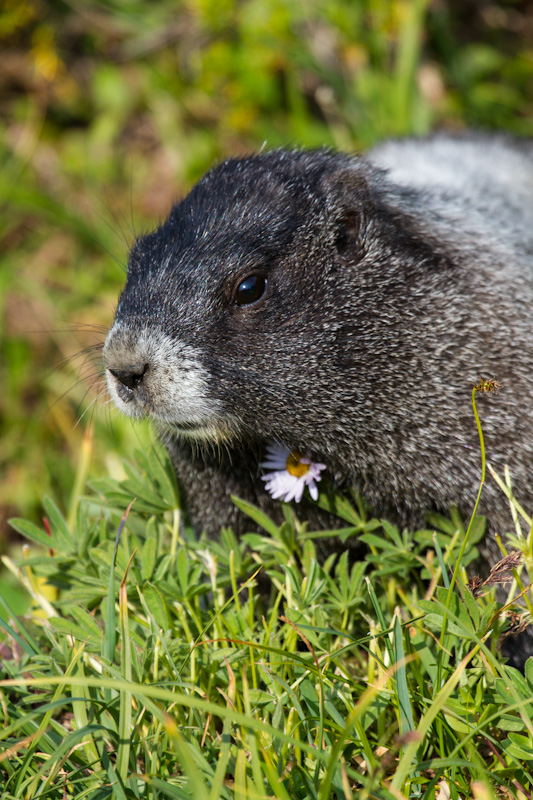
{"x":347,"y":230}
{"x":348,"y":204}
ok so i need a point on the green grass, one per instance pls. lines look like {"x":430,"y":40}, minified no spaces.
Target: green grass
{"x":109,"y":111}
{"x":169,"y":670}
{"x":152,"y":664}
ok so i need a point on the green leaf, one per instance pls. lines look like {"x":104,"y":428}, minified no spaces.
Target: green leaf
{"x":258,"y":516}
{"x":392,"y":532}
{"x":167,"y":789}
{"x":441,"y":523}
{"x":528,"y":672}
{"x":69,"y":628}
{"x":87,"y":622}
{"x":434,"y":623}
{"x":156,"y":603}
{"x":404,"y":702}
{"x":59,"y":526}
{"x":473,"y":609}
{"x":335,"y":503}
{"x":35,"y":534}
{"x":163,"y":473}
{"x":182,"y":568}
{"x":377,"y":541}
{"x":510,"y":723}
{"x":521,"y":746}
{"x":148,"y":557}
{"x":14,"y":635}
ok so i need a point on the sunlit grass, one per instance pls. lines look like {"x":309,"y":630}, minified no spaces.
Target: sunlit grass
{"x":150,"y":665}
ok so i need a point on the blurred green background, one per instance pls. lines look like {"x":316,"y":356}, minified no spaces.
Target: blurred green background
{"x":110,"y":110}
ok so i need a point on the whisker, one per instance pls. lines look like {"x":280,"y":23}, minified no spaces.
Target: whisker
{"x":75,"y":327}
{"x":91,"y":406}
{"x":117,"y":230}
{"x":132,"y":222}
{"x":90,"y":353}
{"x":75,"y":385}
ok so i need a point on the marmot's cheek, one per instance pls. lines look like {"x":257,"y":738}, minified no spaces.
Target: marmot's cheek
{"x":149,"y":373}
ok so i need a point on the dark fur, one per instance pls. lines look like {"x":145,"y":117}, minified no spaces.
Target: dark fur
{"x":389,"y":295}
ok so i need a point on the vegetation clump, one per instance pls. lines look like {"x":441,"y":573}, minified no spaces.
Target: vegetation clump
{"x":155,"y":664}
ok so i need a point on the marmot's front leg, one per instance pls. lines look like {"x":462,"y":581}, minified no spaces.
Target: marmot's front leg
{"x":208,"y":479}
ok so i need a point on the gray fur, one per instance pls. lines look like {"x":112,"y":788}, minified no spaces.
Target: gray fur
{"x":394,"y":282}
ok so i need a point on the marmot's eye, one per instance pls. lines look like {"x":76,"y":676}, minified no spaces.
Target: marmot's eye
{"x":250,"y":290}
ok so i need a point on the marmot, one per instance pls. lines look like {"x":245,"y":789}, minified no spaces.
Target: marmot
{"x":343,"y":306}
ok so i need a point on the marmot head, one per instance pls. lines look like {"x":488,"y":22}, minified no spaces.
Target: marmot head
{"x":227,"y":324}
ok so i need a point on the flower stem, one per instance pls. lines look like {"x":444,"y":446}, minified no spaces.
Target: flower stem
{"x":478,"y":498}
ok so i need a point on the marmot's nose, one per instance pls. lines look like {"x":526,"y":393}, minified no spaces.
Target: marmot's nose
{"x":130,"y":378}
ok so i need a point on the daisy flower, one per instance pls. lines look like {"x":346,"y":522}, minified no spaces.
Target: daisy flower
{"x":291,"y":473}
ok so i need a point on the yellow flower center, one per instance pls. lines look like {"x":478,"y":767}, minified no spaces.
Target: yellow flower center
{"x":294,"y":465}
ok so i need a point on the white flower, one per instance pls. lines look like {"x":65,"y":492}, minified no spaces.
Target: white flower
{"x":292,"y":473}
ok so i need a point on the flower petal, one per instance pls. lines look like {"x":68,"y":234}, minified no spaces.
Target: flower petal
{"x":280,"y":483}
{"x":299,"y":490}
